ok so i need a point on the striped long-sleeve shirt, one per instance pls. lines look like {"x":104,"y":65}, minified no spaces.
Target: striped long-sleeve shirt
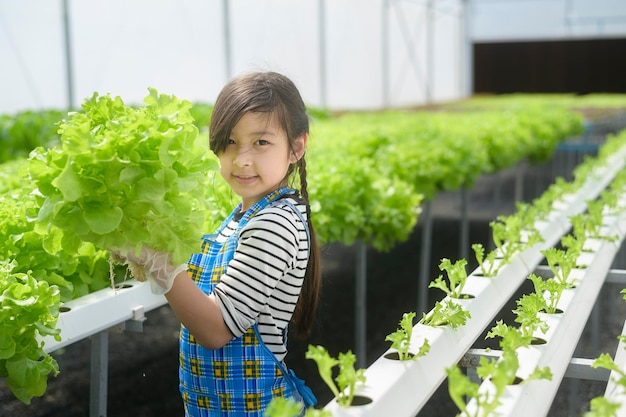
{"x":262,"y":282}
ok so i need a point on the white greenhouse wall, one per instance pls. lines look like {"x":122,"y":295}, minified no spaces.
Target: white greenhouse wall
{"x":123,"y":47}
{"x":504,"y":20}
{"x":32,"y":72}
{"x":415,"y":56}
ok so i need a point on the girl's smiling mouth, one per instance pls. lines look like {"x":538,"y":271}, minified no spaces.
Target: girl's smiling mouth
{"x":245,"y":179}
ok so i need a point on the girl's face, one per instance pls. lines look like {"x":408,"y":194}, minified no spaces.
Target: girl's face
{"x":257,"y":157}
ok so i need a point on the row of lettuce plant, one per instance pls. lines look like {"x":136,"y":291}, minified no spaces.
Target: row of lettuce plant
{"x":398,"y":157}
{"x":545,"y":299}
{"x":376,"y":208}
{"x":23,"y":131}
{"x":26,"y":130}
{"x":120,"y":173}
{"x":609,"y":404}
{"x":531,"y":312}
{"x":547,"y":293}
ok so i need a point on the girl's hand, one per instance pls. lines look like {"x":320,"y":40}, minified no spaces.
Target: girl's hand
{"x":150,"y":265}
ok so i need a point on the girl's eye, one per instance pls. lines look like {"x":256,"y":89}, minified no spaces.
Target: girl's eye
{"x":262,"y":142}
{"x":230,"y":142}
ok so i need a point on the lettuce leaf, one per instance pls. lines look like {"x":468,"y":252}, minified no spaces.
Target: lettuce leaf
{"x":126,"y":176}
{"x":28,"y":308}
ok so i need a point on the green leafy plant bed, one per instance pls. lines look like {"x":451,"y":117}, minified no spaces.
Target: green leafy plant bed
{"x":112,"y":164}
{"x":391,"y":383}
{"x":562,"y":333}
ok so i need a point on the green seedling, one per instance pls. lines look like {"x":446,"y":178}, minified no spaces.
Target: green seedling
{"x":503,"y":371}
{"x":594,"y":219}
{"x":544,"y":203}
{"x":602,"y":406}
{"x":551,"y":290}
{"x":506,"y":239}
{"x":606,"y":361}
{"x":401,"y":339}
{"x":288,"y":407}
{"x":510,"y":337}
{"x":527,"y":314}
{"x":508,"y":231}
{"x":488,"y":264}
{"x":573,"y":245}
{"x":610,"y":198}
{"x":449,"y":313}
{"x":561,"y":263}
{"x":457,"y":276}
{"x":344,"y":385}
{"x":461,"y":388}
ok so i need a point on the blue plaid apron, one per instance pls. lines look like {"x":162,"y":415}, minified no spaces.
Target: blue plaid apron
{"x":241,"y":378}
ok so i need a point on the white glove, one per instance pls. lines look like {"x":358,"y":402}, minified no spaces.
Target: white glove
{"x":150,"y":265}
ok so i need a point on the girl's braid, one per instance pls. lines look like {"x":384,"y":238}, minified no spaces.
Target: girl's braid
{"x":304,"y":185}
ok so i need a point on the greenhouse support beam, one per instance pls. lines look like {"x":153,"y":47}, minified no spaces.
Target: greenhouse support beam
{"x":228,"y":69}
{"x":468,"y":50}
{"x":384,"y":36}
{"x":385,"y":52}
{"x":429,"y":82}
{"x":424,"y":279}
{"x":519,"y":181}
{"x":99,"y":374}
{"x":497,"y":200}
{"x":360,"y":304}
{"x":321,"y":5}
{"x":69,"y":77}
{"x":578,"y":368}
{"x":99,"y":365}
{"x":464,"y":237}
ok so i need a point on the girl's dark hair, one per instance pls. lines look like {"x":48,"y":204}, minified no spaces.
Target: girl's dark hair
{"x":273,"y":93}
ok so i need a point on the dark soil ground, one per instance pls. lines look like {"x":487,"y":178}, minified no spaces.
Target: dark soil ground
{"x":143,"y":367}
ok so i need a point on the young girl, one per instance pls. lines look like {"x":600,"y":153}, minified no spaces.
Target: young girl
{"x":260,"y":270}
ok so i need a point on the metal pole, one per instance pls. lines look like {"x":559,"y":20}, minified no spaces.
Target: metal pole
{"x":464,"y":239}
{"x":99,"y":374}
{"x":68,"y":55}
{"x":519,"y":181}
{"x":227,"y":39}
{"x":424,"y":278}
{"x":497,"y":199}
{"x":430,"y":73}
{"x":385,"y":53}
{"x":468,"y":64}
{"x":322,"y":53}
{"x":360,"y":303}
